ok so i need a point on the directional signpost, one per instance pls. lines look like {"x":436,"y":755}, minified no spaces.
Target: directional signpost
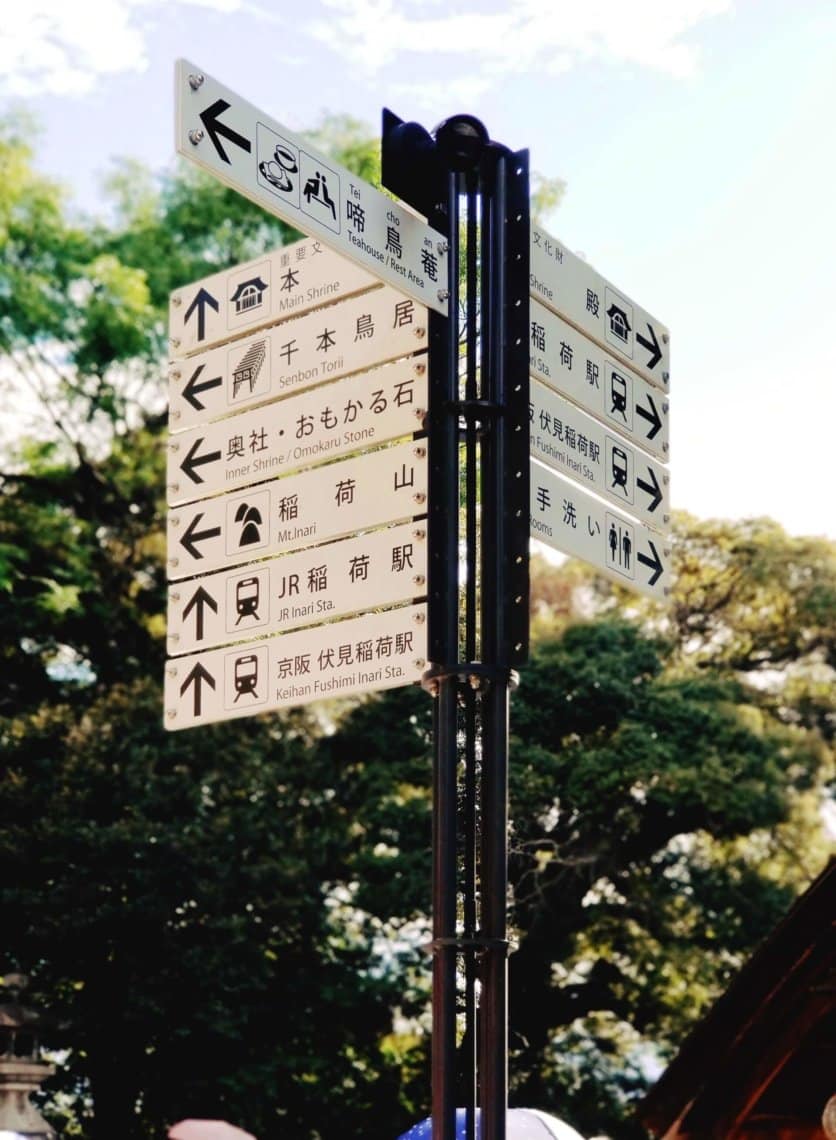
{"x":598,"y":352}
{"x":319,"y":396}
{"x":357,"y":412}
{"x":294,"y":355}
{"x":285,"y":283}
{"x":565,"y":283}
{"x":283,"y":174}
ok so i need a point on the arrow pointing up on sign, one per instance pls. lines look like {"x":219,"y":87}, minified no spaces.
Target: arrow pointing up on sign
{"x":193,"y":461}
{"x":655,"y":563}
{"x":198,"y":676}
{"x":210,"y":118}
{"x":193,"y":389}
{"x":651,"y":345}
{"x":203,"y":298}
{"x":199,"y":599}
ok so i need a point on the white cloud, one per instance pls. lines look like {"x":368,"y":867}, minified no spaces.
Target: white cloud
{"x":61,"y":48}
{"x":519,"y":36}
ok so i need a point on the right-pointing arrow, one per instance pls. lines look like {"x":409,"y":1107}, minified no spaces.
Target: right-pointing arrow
{"x":655,"y":563}
{"x":198,"y":676}
{"x":198,"y":602}
{"x":652,"y":417}
{"x":651,"y":345}
{"x":653,"y":489}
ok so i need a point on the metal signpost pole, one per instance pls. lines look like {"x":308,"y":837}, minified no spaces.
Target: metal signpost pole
{"x":478,"y":586}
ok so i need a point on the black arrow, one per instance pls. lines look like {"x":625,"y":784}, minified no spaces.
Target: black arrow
{"x":192,"y":535}
{"x":651,"y":416}
{"x":197,"y":676}
{"x":193,"y":460}
{"x":651,"y":345}
{"x":653,"y":489}
{"x":193,"y":389}
{"x":655,"y":564}
{"x":210,"y":117}
{"x":198,"y":600}
{"x":203,"y":298}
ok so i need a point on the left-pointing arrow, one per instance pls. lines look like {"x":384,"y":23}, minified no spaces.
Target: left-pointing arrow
{"x":193,"y":389}
{"x":652,"y":488}
{"x":655,"y":564}
{"x":210,"y":119}
{"x":202,"y":298}
{"x":198,"y":601}
{"x":193,"y":461}
{"x":192,"y":536}
{"x":198,"y":676}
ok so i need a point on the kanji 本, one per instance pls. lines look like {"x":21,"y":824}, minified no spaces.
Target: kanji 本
{"x":393,"y":241}
{"x":538,"y":336}
{"x":288,"y":508}
{"x":345,"y":491}
{"x":325,"y":340}
{"x":429,"y":263}
{"x":289,"y":281}
{"x":235,"y":447}
{"x":402,"y":557}
{"x":544,"y":498}
{"x":358,"y":570}
{"x":318,"y":578}
{"x":403,"y":313}
{"x":356,"y":215}
{"x":365,"y":327}
{"x":570,"y":514}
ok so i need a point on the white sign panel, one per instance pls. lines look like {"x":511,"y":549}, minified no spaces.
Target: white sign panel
{"x":285,"y":283}
{"x":572,"y":364}
{"x":325,"y":344}
{"x":570,"y":441}
{"x":385,"y":486}
{"x":571,"y":287}
{"x":380,"y":568}
{"x":278,"y":170}
{"x":357,"y":412}
{"x":361,"y":655}
{"x":568,"y":519}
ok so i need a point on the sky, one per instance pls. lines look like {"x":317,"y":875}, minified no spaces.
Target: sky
{"x":695,"y":138}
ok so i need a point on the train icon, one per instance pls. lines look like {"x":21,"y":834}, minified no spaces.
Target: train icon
{"x":619,"y":468}
{"x":246,"y":675}
{"x":247,"y":595}
{"x":618,"y":392}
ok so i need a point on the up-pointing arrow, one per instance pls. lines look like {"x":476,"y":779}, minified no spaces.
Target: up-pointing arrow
{"x":198,"y":601}
{"x":198,"y":676}
{"x":202,"y":299}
